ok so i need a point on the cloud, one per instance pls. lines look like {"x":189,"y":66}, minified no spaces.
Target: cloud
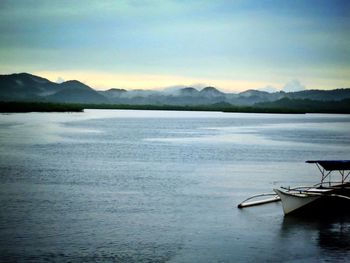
{"x":171,"y":37}
{"x":109,"y":79}
{"x":60,"y":80}
{"x":293,"y":86}
{"x":269,"y":89}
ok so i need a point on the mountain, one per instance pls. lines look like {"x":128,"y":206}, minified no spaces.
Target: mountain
{"x":73,"y":91}
{"x":189,"y":91}
{"x":322,"y":95}
{"x":211,"y":92}
{"x":27,"y":87}
{"x":113,"y":93}
{"x":255,"y":93}
{"x":250,"y":97}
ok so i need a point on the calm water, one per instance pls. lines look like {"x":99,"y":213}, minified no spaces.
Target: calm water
{"x":148,"y":186}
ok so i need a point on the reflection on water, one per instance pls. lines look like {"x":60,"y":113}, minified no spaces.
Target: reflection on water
{"x":332,"y":233}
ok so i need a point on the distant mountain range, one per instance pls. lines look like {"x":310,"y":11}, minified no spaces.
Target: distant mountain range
{"x":27,"y":87}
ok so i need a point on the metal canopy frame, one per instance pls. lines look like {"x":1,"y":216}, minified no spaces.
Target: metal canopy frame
{"x":325,"y":174}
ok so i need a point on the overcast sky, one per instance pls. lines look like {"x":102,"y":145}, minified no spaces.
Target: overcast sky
{"x":232,"y":45}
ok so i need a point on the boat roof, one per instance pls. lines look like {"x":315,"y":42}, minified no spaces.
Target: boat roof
{"x":333,"y":165}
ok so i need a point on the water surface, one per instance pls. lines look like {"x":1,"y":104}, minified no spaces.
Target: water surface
{"x":157,"y":186}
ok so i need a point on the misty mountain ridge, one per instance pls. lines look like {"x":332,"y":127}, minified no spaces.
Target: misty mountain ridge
{"x":73,"y":91}
{"x":27,"y":87}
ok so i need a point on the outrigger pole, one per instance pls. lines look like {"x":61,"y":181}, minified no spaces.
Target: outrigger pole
{"x":275,"y":198}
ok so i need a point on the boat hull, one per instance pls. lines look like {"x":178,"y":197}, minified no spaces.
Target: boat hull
{"x":293,"y":202}
{"x":308,"y":204}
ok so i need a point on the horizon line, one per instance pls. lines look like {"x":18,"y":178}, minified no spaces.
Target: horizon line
{"x":294,"y":84}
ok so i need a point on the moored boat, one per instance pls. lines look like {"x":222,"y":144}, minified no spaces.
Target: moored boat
{"x":331,"y":195}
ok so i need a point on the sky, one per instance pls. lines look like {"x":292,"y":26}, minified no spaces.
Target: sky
{"x":151,"y":44}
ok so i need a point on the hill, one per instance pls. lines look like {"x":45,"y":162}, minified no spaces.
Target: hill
{"x":74,"y":91}
{"x":24,"y":87}
{"x":27,"y":87}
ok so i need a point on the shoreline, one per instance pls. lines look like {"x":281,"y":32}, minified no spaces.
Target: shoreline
{"x":22,"y":107}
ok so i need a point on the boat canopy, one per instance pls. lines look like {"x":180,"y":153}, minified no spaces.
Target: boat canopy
{"x":332,"y":165}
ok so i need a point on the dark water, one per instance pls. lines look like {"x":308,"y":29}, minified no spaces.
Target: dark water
{"x":135,"y":186}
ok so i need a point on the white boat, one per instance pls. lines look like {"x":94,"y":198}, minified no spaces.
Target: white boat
{"x":331,"y":195}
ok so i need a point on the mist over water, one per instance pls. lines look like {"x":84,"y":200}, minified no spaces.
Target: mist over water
{"x":155,"y":186}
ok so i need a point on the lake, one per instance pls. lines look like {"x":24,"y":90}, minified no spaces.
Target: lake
{"x":163,"y":186}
